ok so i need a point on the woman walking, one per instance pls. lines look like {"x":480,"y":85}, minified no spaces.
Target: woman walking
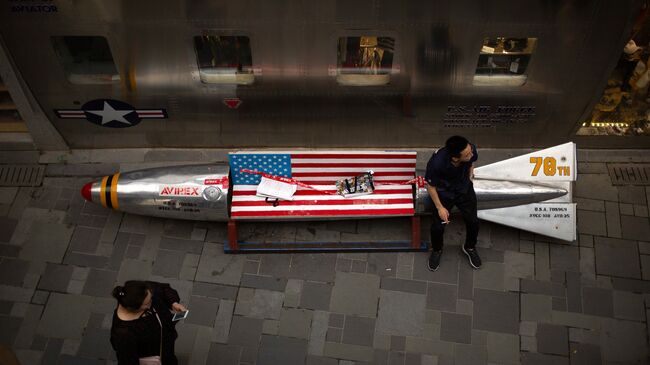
{"x":143,"y":331}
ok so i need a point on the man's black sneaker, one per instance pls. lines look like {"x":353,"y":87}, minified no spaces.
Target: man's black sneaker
{"x":434,"y":260}
{"x":473,"y":257}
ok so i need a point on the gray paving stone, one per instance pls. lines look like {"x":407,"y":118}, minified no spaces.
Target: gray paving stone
{"x":559,"y":304}
{"x":358,"y":266}
{"x":542,"y":287}
{"x":343,"y":265}
{"x":631,"y":194}
{"x":222,"y":323}
{"x":394,"y":320}
{"x":168,"y":263}
{"x":645,"y":267}
{"x":598,"y":302}
{"x":355,"y":294}
{"x":9,"y":327}
{"x":552,"y":339}
{"x":586,"y":240}
{"x":447,"y":272}
{"x":316,"y":295}
{"x":520,"y":265}
{"x":632,"y":285}
{"x":263,"y":282}
{"x":590,"y":204}
{"x":625,"y":209}
{"x":313,"y":267}
{"x":203,"y":311}
{"x":319,"y":360}
{"x":295,"y":323}
{"x":95,"y":343}
{"x":629,"y":306}
{"x":276,"y":265}
{"x":536,"y":307}
{"x":465,"y":283}
{"x":267,"y":304}
{"x":531,"y":358}
{"x":55,"y":322}
{"x":635,"y":228}
{"x":214,"y":290}
{"x":593,"y":223}
{"x":132,"y":269}
{"x":502,"y":348}
{"x":397,"y":343}
{"x":584,"y":354}
{"x":496,"y":311}
{"x":79,"y":259}
{"x":7,"y":250}
{"x":640,"y":210}
{"x":596,"y":186}
{"x":100,"y":283}
{"x":336,"y":320}
{"x":334,"y":335}
{"x":456,"y":328}
{"x":613,"y":218}
{"x":293,"y":291}
{"x":46,"y":242}
{"x":245,"y":331}
{"x":348,"y":352}
{"x":611,"y":252}
{"x":282,"y":350}
{"x":224,"y":354}
{"x":442,"y":297}
{"x":409,"y":286}
{"x":7,"y":227}
{"x":491,"y":276}
{"x":588,"y":263}
{"x":217,"y":267}
{"x":13,"y":271}
{"x":469,"y":355}
{"x":624,"y":342}
{"x":85,"y":239}
{"x":318,"y":332}
{"x":574,"y":297}
{"x":56,"y":277}
{"x":542,"y":261}
{"x":359,"y":331}
{"x":565,"y":258}
{"x":177,"y":244}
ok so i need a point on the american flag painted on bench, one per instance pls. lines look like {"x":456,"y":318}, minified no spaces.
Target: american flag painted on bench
{"x":321,"y":170}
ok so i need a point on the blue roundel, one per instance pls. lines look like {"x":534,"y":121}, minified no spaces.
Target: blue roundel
{"x":111,"y":113}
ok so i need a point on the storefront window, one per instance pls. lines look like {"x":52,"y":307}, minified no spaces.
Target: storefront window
{"x":86,"y":59}
{"x":624,"y":106}
{"x":504,"y":61}
{"x":365,"y":60}
{"x":224,"y":59}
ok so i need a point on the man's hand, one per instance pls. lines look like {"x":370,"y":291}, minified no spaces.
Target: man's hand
{"x":443,"y":213}
{"x":177,"y":307}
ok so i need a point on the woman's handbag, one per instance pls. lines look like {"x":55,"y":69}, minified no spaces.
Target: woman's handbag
{"x":154,"y":360}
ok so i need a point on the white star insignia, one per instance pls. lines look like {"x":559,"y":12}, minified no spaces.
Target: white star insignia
{"x":109,"y":114}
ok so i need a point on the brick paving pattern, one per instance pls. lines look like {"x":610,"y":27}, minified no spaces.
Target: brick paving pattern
{"x":536,"y":300}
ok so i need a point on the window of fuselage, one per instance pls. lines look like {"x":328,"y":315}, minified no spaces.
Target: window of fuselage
{"x":365,"y":60}
{"x":504,"y":61}
{"x":224,"y":59}
{"x":86,"y":59}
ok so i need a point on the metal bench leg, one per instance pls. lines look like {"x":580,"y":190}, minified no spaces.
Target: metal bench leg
{"x":415,"y":232}
{"x":232,"y":236}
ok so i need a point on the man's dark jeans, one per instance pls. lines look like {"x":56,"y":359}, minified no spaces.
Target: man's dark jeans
{"x":466,"y":203}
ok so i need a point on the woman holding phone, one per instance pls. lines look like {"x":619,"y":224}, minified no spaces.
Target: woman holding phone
{"x":143,"y":331}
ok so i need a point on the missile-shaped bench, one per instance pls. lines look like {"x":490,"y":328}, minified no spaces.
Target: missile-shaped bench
{"x":532,"y":192}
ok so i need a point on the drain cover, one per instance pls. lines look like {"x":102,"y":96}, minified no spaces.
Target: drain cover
{"x":21,"y":175}
{"x":629,"y":173}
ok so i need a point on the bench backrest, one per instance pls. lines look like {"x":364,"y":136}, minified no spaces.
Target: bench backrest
{"x":321,"y":169}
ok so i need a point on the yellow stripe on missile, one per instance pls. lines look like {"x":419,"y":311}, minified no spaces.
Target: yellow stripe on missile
{"x":102,"y":191}
{"x":114,"y":191}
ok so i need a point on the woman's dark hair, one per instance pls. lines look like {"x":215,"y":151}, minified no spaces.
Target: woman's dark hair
{"x":455,"y":145}
{"x":132,"y":294}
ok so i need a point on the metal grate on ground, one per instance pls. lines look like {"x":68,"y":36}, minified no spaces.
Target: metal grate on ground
{"x":21,"y":175}
{"x":629,"y":173}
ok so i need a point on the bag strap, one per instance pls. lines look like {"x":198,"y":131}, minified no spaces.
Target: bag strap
{"x":161,"y":329}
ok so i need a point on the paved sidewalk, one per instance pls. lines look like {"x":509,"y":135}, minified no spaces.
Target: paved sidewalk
{"x":535,"y":300}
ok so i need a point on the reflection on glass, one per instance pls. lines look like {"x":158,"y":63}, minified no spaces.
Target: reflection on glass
{"x":365,"y":61}
{"x":504,"y":61}
{"x":624,"y":106}
{"x":224,"y":59}
{"x":86,"y":59}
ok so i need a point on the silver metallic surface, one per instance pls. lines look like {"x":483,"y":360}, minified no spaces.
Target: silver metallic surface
{"x":295,"y":99}
{"x":491,"y":194}
{"x":155,"y":192}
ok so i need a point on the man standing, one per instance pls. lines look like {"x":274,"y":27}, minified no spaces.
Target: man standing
{"x":449,"y":176}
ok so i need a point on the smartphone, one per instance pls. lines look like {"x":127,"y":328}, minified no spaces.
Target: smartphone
{"x":180,"y":315}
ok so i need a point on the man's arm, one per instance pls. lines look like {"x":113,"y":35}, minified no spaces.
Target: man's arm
{"x":471,"y":172}
{"x":443,"y":213}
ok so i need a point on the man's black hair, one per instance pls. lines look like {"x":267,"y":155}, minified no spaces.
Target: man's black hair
{"x":455,"y":145}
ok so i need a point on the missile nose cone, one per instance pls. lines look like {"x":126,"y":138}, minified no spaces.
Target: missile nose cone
{"x":85,"y":192}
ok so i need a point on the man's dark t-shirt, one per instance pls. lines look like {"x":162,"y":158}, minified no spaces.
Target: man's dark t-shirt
{"x":449,"y":180}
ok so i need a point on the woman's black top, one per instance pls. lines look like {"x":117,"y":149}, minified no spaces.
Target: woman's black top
{"x":140,"y":337}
